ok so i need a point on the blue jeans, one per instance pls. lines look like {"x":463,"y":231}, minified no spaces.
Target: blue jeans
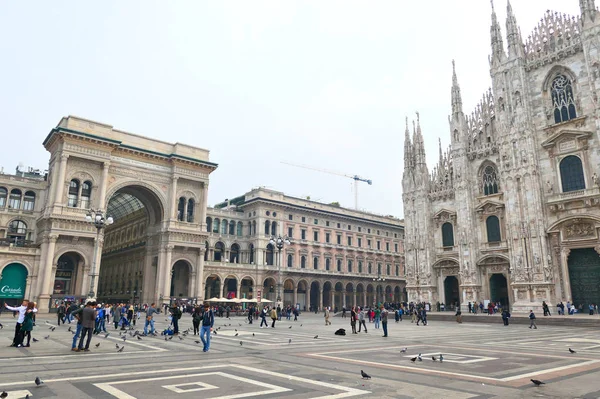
{"x":384,"y":325}
{"x":151,"y":324}
{"x":101,"y":325}
{"x":377,"y":321}
{"x":205,"y":330}
{"x":76,"y":336}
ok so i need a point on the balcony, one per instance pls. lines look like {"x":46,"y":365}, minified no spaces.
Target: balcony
{"x":586,"y":198}
{"x":447,"y":251}
{"x":494,"y":246}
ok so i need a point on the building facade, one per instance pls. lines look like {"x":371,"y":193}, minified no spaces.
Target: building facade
{"x":512,"y":209}
{"x":164,"y":245}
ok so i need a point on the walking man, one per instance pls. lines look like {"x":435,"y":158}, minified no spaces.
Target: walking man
{"x":208,"y":320}
{"x":274,"y":316}
{"x":361,"y":320}
{"x":263,"y":318}
{"x":150,"y":319}
{"x":532,"y":320}
{"x":505,"y":316}
{"x":88,"y":318}
{"x":61,"y":313}
{"x":327,"y":322}
{"x":384,"y":320}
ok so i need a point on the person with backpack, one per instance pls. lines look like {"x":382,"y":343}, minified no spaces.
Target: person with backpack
{"x":208,"y":320}
{"x":196,"y":319}
{"x":62,"y":310}
{"x":532,"y":320}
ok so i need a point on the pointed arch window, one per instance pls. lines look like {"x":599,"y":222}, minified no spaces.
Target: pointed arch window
{"x":563,"y":99}
{"x":224,"y":225}
{"x":492,"y":225}
{"x":86,"y":194}
{"x":267,"y":228}
{"x":490,"y":180}
{"x":447,"y":235}
{"x":73,"y":196}
{"x":571,"y":174}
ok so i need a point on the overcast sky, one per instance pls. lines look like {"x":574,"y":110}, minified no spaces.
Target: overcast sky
{"x":320,"y":83}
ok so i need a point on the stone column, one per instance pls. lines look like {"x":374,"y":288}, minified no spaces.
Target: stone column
{"x":295,"y":296}
{"x":564,"y":270}
{"x":204,"y":206}
{"x":354,"y":297}
{"x":321,"y":298}
{"x":80,"y":276}
{"x":46,"y":289}
{"x":159,"y":273}
{"x":200,"y":275}
{"x":343,"y":298}
{"x":60,"y":184}
{"x":332,"y":299}
{"x":365,"y":297}
{"x":173,"y":200}
{"x":103,"y":186}
{"x":167,"y":272}
{"x":238,"y":293}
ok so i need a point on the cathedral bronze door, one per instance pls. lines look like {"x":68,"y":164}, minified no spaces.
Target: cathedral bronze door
{"x":499,"y":289}
{"x":584,"y":274}
{"x":452,"y":295}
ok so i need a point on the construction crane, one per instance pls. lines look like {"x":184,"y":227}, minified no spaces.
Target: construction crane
{"x":356,"y":178}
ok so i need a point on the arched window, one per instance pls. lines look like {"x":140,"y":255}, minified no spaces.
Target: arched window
{"x":339,"y":265}
{"x":224,"y":225}
{"x":190,"y":211}
{"x":360,"y":270}
{"x":240,"y":228}
{"x":290,"y":260}
{"x":181,"y":209}
{"x":316,"y":263}
{"x":231,"y":227}
{"x":303,"y":262}
{"x":234,"y":254}
{"x":14,"y":200}
{"x":86,"y":194}
{"x":274,"y":228}
{"x":216,"y":225}
{"x":29,"y":201}
{"x":447,"y":235}
{"x":209,"y":224}
{"x":251,"y":254}
{"x":219,"y":251}
{"x":73,"y":196}
{"x":17,"y":230}
{"x":562,"y":99}
{"x":349,"y":266}
{"x":267,"y":228}
{"x":492,"y":225}
{"x":327,"y":263}
{"x":490,"y":180}
{"x":3,"y":197}
{"x":571,"y":174}
{"x":270,"y":252}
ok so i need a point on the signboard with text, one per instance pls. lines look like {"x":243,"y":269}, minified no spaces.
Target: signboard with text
{"x":14,"y":280}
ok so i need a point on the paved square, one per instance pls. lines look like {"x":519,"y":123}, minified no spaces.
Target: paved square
{"x":309,"y":361}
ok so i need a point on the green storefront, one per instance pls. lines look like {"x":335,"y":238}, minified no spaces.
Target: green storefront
{"x":13,"y":283}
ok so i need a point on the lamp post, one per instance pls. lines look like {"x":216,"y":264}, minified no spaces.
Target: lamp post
{"x":100,"y":221}
{"x":379,"y":278}
{"x":279,"y":243}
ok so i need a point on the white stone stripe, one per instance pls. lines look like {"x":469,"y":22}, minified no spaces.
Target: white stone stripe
{"x":534,"y":373}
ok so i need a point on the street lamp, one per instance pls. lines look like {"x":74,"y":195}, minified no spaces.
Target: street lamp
{"x":379,"y":278}
{"x":279,"y":242}
{"x":100,"y":221}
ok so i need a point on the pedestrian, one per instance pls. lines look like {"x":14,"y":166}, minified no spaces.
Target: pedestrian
{"x":88,"y":318}
{"x":150,"y":319}
{"x":353,"y":320}
{"x":77,"y":315}
{"x":250,"y":314}
{"x":27,"y":325}
{"x":60,"y":313}
{"x":208,"y":320}
{"x":263,"y":317}
{"x":326,"y":315}
{"x":377,"y":318}
{"x":175,"y":316}
{"x":274,"y":316}
{"x":18,"y":339}
{"x":458,"y":315}
{"x":196,"y":319}
{"x":296,"y":313}
{"x":383,"y":313}
{"x":361,"y":320}
{"x":343,"y":312}
{"x":532,"y":320}
{"x":505,"y":316}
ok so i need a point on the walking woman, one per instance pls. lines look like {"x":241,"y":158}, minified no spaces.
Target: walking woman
{"x":196,"y":319}
{"x":353,"y":320}
{"x":27,"y":325}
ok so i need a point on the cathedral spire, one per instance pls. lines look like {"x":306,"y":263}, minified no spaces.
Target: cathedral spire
{"x":588,"y":10}
{"x":441,"y":161}
{"x":498,"y":53}
{"x":408,"y":150}
{"x":456,"y":97}
{"x":513,"y":34}
{"x":418,"y":145}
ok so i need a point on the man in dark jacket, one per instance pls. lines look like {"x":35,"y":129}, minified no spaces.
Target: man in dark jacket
{"x":60,"y":313}
{"x":88,"y":319}
{"x":208,"y":320}
{"x":505,"y":316}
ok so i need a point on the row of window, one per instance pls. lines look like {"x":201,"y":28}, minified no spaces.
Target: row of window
{"x":225,"y":227}
{"x":185,"y":210}
{"x":16,"y":199}
{"x":492,"y":225}
{"x":339,"y":226}
{"x":350,"y":265}
{"x":349,"y":240}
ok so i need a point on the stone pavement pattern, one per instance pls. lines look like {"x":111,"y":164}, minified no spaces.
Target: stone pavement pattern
{"x":480,"y":361}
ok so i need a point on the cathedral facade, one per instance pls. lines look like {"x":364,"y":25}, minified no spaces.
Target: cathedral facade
{"x":511,"y":211}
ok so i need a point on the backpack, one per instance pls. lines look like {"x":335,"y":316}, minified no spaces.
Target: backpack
{"x":341,"y":331}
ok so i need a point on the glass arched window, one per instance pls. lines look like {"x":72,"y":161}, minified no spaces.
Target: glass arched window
{"x":224,"y":225}
{"x":339,"y":265}
{"x":17,"y":227}
{"x":209,"y":224}
{"x":492,"y":225}
{"x":316,"y":263}
{"x":231,"y":227}
{"x":234,"y":254}
{"x":29,"y":201}
{"x":3,"y":197}
{"x":303,"y":262}
{"x":251,"y":254}
{"x":216,"y":225}
{"x":327,"y":263}
{"x":267,"y":228}
{"x":571,"y":174}
{"x":563,"y":101}
{"x":240,"y":228}
{"x":490,"y":180}
{"x":86,"y":194}
{"x":14,"y":200}
{"x":219,"y":251}
{"x":181,"y":209}
{"x":73,"y":195}
{"x":290,"y":261}
{"x":447,"y":235}
{"x":190,"y":211}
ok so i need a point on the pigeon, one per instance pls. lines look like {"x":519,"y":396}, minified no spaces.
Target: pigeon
{"x":215,"y":332}
{"x":4,"y":394}
{"x":433,"y":358}
{"x":240,"y":324}
{"x":98,"y":344}
{"x":441,"y":358}
{"x":253,"y":334}
{"x":106,"y":335}
{"x":124,"y":338}
{"x":571,"y":350}
{"x":53,"y":328}
{"x":419,"y":357}
{"x":236,"y":334}
{"x":241,"y":343}
{"x":121,"y":350}
{"x":46,"y":337}
{"x":69,"y":330}
{"x":289,"y":341}
{"x":290,"y":327}
{"x":414,"y":359}
{"x":197,"y":342}
{"x":38,"y":382}
{"x":139,"y":338}
{"x":181,"y":338}
{"x":235,"y":329}
{"x":117,"y":346}
{"x":35,"y":339}
{"x":316,"y":336}
{"x":170,"y":337}
{"x":537,"y":382}
{"x":364,"y":375}
{"x":300,"y":325}
{"x":403,"y":350}
{"x":1,"y":326}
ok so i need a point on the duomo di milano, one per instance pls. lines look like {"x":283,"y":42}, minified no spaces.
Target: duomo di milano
{"x":510,"y":213}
